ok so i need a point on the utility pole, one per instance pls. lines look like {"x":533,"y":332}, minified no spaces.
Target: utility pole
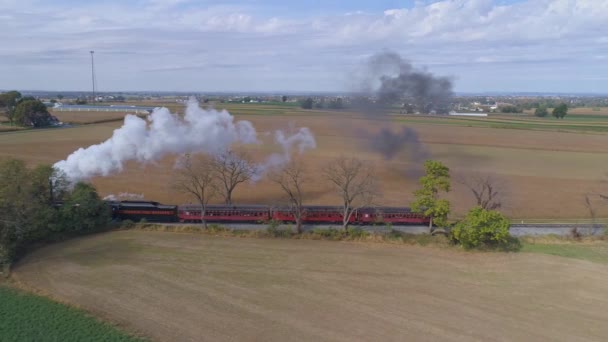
{"x":93,"y":74}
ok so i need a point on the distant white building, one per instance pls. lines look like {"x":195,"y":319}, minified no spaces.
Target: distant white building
{"x":468,"y":114}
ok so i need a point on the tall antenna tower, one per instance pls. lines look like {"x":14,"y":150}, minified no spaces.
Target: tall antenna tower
{"x":93,"y":73}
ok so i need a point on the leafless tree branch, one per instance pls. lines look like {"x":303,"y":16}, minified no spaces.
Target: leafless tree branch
{"x":292,"y":178}
{"x":232,"y":168}
{"x":196,"y":177}
{"x":486,"y":189}
{"x":355,"y":182}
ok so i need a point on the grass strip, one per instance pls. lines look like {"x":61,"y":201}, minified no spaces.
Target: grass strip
{"x":28,"y":317}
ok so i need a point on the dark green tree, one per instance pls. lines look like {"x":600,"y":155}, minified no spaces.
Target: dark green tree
{"x":560,"y":111}
{"x":27,"y":210}
{"x":510,"y":109}
{"x":336,"y":104}
{"x":307,"y":104}
{"x":541,"y":111}
{"x":83,"y":210}
{"x":13,"y":180}
{"x":436,"y":179}
{"x":32,"y":113}
{"x":284,"y":98}
{"x":8,"y":101}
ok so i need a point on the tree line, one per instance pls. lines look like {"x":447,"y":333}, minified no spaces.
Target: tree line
{"x":309,"y":103}
{"x":559,"y":112}
{"x":25,"y":110}
{"x":38,"y":205}
{"x":355,"y":182}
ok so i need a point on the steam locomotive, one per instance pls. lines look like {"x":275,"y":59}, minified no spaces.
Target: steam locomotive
{"x":156,"y":212}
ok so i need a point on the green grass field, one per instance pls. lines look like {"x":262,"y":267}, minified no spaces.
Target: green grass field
{"x":595,"y":251}
{"x":578,"y":123}
{"x":26,"y":317}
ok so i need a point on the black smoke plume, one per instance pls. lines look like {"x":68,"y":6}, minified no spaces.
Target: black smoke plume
{"x":391,"y":84}
{"x":389,"y":144}
{"x":411,"y":89}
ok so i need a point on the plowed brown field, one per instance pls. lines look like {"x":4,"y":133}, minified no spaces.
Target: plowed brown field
{"x":544,"y":174}
{"x":189,"y":287}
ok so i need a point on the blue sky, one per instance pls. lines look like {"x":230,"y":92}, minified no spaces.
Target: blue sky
{"x":187,"y":45}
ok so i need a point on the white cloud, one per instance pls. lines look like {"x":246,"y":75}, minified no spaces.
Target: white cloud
{"x":181,"y":44}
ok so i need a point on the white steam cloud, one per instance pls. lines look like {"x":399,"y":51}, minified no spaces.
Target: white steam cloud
{"x":147,"y":140}
{"x":123,"y":196}
{"x":301,"y":141}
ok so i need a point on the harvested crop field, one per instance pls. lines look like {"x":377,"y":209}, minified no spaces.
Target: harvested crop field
{"x":190,"y":287}
{"x":544,"y":174}
{"x":87,"y":117}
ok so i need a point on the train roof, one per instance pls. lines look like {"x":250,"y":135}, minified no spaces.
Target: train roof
{"x":224,"y":207}
{"x":387,"y":209}
{"x":136,"y":204}
{"x":339,"y":208}
{"x":307,"y":207}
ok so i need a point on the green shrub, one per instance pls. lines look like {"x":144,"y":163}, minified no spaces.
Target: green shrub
{"x":416,"y":239}
{"x":513,"y":244}
{"x":328,"y":233}
{"x":216,"y":228}
{"x":279,"y":232}
{"x":394,"y":235}
{"x":127,"y":224}
{"x":422,"y":239}
{"x":482,"y":229}
{"x":357,"y":233}
{"x":273,"y":223}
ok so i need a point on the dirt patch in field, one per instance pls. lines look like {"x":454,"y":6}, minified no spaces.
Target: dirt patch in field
{"x":188,"y":287}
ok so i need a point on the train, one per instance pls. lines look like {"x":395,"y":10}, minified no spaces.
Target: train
{"x":331,"y":215}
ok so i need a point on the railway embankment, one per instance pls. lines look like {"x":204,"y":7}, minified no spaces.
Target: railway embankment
{"x":534,"y":229}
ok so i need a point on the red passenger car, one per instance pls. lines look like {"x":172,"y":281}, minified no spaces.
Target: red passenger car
{"x":224,"y":213}
{"x":312,"y":214}
{"x":392,"y":215}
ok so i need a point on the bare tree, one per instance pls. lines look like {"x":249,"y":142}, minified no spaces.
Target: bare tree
{"x":486,"y":189}
{"x":196,"y":177}
{"x":591,"y":199}
{"x":590,"y":206}
{"x":355,"y":182}
{"x":291,"y":178}
{"x":232,"y":168}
